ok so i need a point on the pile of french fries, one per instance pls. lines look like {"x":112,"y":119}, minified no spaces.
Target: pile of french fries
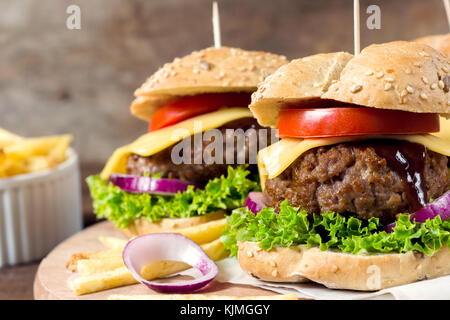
{"x":19,"y":155}
{"x":104,"y":269}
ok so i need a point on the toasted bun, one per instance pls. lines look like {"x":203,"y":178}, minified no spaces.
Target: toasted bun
{"x":143,"y":226}
{"x":301,"y":80}
{"x":440,"y":42}
{"x":398,"y":75}
{"x":212,"y":70}
{"x":340,"y":270}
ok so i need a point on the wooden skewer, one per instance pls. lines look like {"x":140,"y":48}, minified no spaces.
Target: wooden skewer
{"x":216,"y":24}
{"x":356,"y":27}
{"x":447,"y":10}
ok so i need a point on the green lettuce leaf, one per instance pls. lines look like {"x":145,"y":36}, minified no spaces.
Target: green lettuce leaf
{"x":329,"y":230}
{"x":226,"y":192}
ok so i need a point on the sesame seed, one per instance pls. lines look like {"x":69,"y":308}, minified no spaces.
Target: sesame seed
{"x":405,"y":100}
{"x":389,"y":70}
{"x":387,"y":86}
{"x":444,"y":68}
{"x":317,"y":85}
{"x":369,"y":72}
{"x":355,"y":88}
{"x":417,"y":64}
{"x":433,"y":86}
{"x":424,"y":79}
{"x":334,"y":81}
{"x":404,"y":93}
{"x":441,"y":84}
{"x":196,"y":71}
{"x":424,"y":54}
{"x":275,"y":272}
{"x":249,"y":253}
{"x":408,"y":71}
{"x":379,"y":75}
{"x":205,"y":65}
{"x":273,"y":263}
{"x":410,"y":89}
{"x":389,"y":79}
{"x":221,"y":75}
{"x":423,"y":96}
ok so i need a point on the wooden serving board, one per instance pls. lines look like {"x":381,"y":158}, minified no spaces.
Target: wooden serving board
{"x":51,"y":281}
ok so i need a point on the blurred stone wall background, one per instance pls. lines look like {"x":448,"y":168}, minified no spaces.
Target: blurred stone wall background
{"x":54,"y":80}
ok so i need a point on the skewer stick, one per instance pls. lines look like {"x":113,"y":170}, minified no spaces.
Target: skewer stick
{"x":356,"y":27}
{"x":216,"y":24}
{"x":447,"y":10}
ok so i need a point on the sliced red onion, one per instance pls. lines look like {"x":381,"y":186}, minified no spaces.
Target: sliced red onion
{"x":154,"y":247}
{"x":439,"y":207}
{"x":255,"y":202}
{"x":142,"y":184}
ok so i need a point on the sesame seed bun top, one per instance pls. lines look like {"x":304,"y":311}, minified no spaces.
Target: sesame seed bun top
{"x":440,"y":42}
{"x":398,"y":75}
{"x":212,"y":70}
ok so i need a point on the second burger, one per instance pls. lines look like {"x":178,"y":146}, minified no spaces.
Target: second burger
{"x":142,"y":189}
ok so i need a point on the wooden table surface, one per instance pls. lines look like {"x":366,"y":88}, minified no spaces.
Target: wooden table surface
{"x":16,"y":283}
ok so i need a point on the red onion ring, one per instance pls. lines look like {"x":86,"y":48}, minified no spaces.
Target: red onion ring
{"x":440,"y":207}
{"x":255,"y":202}
{"x":154,"y":247}
{"x":142,"y":184}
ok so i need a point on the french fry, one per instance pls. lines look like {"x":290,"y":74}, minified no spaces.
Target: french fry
{"x":7,"y":138}
{"x":198,"y":297}
{"x":87,"y":267}
{"x":91,"y":281}
{"x":205,"y":232}
{"x":103,"y":254}
{"x":112,"y":242}
{"x":102,"y":281}
{"x":215,"y":250}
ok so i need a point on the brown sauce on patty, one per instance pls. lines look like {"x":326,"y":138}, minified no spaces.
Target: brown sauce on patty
{"x":408,"y":160}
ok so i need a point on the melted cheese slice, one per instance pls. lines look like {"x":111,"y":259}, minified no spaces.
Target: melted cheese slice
{"x":153,"y":142}
{"x":445,"y":129}
{"x":277,"y":157}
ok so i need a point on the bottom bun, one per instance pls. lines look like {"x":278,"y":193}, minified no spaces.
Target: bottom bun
{"x":143,"y":226}
{"x":339,"y":270}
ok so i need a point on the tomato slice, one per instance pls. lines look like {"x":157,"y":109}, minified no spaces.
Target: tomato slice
{"x":352,"y":121}
{"x":190,"y":106}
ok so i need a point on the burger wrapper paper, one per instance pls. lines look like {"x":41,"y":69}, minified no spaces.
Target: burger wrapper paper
{"x":433,"y":289}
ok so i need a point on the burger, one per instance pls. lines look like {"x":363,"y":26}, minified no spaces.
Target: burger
{"x":356,"y":192}
{"x":142,"y":189}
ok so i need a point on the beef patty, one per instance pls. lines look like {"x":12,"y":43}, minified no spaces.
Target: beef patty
{"x":161,"y":162}
{"x":356,"y":179}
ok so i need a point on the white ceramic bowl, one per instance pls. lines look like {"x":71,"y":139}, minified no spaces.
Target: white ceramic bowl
{"x":39,"y":210}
